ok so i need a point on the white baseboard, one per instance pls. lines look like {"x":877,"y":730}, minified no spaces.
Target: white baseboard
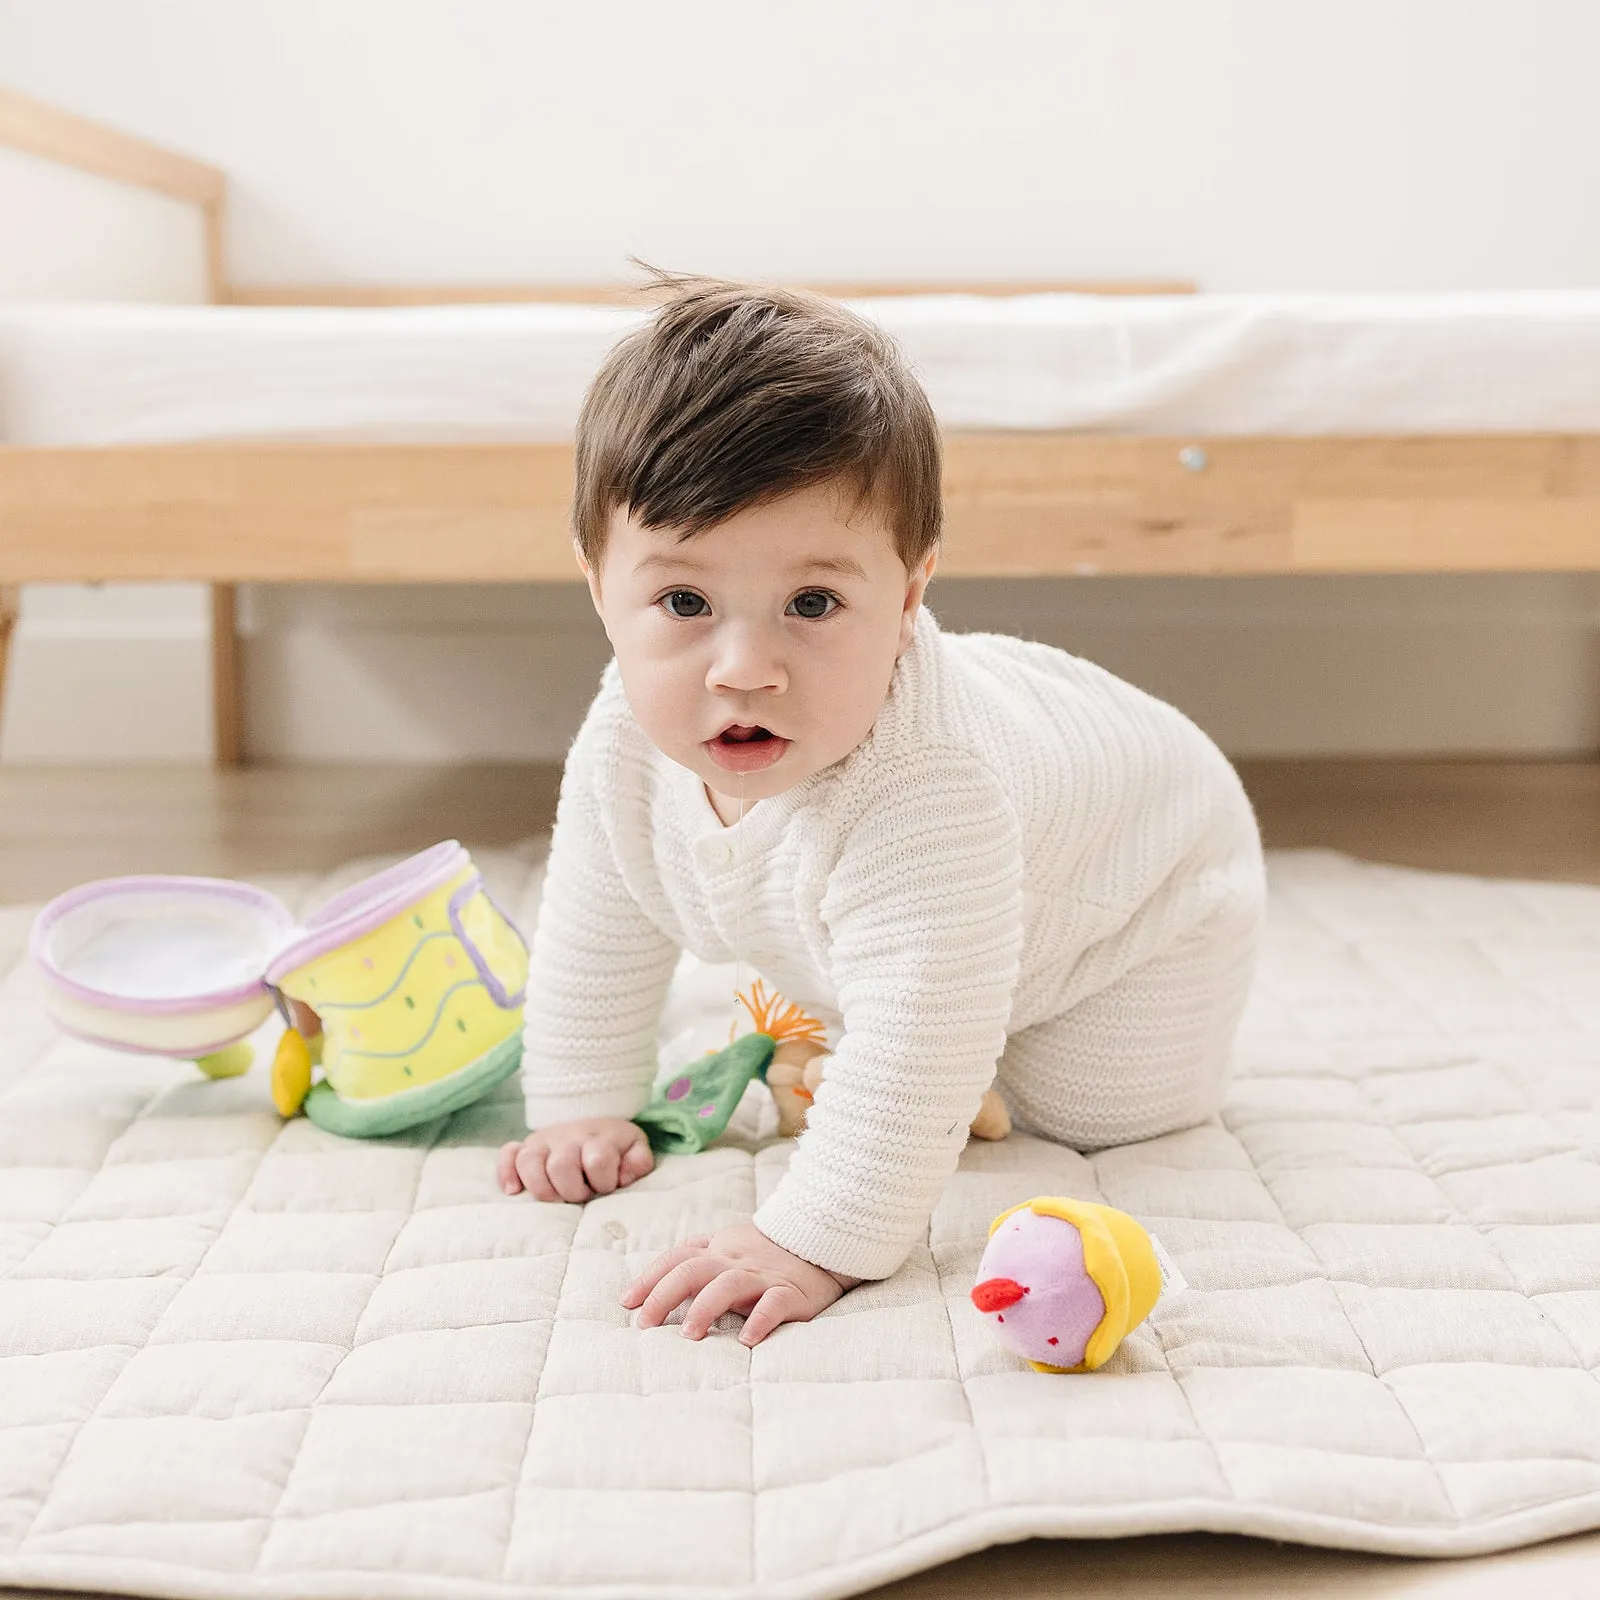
{"x":1269,"y":667}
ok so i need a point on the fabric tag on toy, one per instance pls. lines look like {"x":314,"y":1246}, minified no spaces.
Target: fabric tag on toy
{"x":1172,"y":1281}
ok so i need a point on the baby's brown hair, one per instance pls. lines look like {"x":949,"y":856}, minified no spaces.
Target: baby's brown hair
{"x":734,"y":394}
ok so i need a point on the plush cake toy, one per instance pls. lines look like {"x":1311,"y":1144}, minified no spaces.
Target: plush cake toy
{"x":788,"y":1050}
{"x":1063,"y":1282}
{"x":405,"y":990}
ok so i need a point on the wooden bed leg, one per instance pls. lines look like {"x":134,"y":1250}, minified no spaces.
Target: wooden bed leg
{"x":227,"y":703}
{"x":10,"y":609}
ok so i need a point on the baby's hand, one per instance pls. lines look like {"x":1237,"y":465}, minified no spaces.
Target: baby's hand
{"x":737,"y":1269}
{"x":576,"y":1161}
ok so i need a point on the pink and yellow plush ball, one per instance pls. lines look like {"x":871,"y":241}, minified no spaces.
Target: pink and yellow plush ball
{"x":1063,"y":1282}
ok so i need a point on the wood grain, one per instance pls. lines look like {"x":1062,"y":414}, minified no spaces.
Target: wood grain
{"x":1019,"y":504}
{"x":368,"y":513}
{"x":1050,"y":503}
{"x":44,"y":130}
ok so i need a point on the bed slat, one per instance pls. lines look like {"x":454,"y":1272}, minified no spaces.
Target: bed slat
{"x":1017,"y":505}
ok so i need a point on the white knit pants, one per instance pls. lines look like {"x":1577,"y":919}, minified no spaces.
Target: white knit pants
{"x":1149,"y":1053}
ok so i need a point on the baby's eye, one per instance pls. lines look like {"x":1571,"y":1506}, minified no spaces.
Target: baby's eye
{"x":670,"y":601}
{"x":814,"y":604}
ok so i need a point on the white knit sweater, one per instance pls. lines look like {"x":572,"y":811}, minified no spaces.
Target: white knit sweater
{"x":1019,"y":828}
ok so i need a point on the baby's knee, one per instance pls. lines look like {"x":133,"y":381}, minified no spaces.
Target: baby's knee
{"x":1090,"y":1125}
{"x":1088,"y":1099}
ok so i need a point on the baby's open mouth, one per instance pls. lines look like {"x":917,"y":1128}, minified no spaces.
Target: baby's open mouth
{"x":747,"y":747}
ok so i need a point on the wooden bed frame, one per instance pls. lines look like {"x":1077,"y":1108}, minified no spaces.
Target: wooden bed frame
{"x":1018,"y":504}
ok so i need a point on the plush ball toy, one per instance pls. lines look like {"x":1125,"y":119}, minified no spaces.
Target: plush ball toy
{"x":1063,"y":1282}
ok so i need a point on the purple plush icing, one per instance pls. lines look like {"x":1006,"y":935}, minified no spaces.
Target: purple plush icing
{"x":1060,"y":1306}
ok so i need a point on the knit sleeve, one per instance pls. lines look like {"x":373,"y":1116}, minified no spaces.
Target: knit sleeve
{"x":598,"y":970}
{"x":923,"y":914}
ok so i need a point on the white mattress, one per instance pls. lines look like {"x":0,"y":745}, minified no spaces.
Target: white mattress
{"x":242,"y":1359}
{"x":1189,"y":364}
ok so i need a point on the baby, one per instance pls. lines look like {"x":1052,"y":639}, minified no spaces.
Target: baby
{"x":980,"y":860}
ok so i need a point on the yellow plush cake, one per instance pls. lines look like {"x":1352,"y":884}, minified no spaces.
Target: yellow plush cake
{"x":407,"y":989}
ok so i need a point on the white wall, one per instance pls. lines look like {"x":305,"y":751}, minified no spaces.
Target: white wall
{"x":70,"y":235}
{"x":1430,"y":144}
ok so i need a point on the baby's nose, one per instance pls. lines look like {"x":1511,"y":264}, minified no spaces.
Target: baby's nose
{"x":745,"y":661}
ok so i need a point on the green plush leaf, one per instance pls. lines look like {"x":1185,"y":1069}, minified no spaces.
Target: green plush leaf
{"x":691,"y":1110}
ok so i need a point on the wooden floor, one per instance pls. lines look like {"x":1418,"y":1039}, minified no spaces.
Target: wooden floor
{"x":63,"y":826}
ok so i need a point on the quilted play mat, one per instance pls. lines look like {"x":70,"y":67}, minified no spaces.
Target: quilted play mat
{"x":240,"y":1357}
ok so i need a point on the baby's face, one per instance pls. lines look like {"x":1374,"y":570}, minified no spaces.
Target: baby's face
{"x":760,"y":651}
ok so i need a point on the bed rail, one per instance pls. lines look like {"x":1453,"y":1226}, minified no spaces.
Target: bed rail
{"x":43,"y":130}
{"x":46,"y":131}
{"x":1016,"y":504}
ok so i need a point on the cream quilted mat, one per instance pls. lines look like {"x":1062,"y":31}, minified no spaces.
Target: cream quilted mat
{"x":239,"y":1357}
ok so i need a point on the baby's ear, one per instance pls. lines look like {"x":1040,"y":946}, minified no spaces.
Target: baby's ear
{"x":592,"y":578}
{"x":908,"y":627}
{"x":915,"y":587}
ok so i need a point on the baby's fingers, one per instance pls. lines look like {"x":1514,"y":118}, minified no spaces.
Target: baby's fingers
{"x":530,"y":1169}
{"x":505,"y":1168}
{"x":781,"y":1303}
{"x":660,"y":1267}
{"x":728,"y":1291}
{"x":683,"y":1282}
{"x":602,"y":1164}
{"x":637,"y":1160}
{"x":564,"y":1167}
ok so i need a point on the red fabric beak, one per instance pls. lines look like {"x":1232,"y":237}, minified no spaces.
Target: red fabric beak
{"x":995,"y":1294}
